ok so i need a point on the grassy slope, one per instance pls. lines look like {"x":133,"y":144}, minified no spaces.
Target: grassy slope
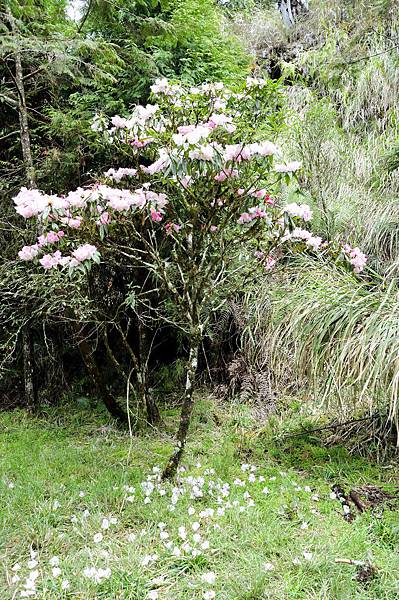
{"x":56,"y":456}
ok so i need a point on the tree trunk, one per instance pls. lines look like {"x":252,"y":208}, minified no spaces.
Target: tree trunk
{"x":27,"y":343}
{"x":29,"y":369}
{"x":153,"y":414}
{"x":22,"y":110}
{"x":96,"y":377}
{"x":186,"y":411}
{"x":291,"y":10}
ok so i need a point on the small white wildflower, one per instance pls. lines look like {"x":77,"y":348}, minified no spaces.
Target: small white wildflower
{"x":307,"y":488}
{"x":333,"y":496}
{"x":182,"y":533}
{"x":307,"y":555}
{"x":32,"y":564}
{"x":161,"y":525}
{"x":105,"y":524}
{"x":205,"y":545}
{"x":176,"y":551}
{"x":11,"y":485}
{"x":64,"y":584}
{"x":98,"y":537}
{"x":191,"y":511}
{"x":209,"y":595}
{"x":54,"y":561}
{"x":16,"y":567}
{"x":164,"y":535}
{"x":82,"y":494}
{"x":261,"y":479}
{"x":74,"y":519}
{"x":152,"y":595}
{"x":268,"y":566}
{"x":196,"y":538}
{"x":56,"y":571}
{"x":131,"y":537}
{"x":15,"y":579}
{"x":266,"y":490}
{"x":305,"y":525}
{"x":209,"y":577}
{"x":195,"y":526}
{"x":56,"y":505}
{"x":316,"y":497}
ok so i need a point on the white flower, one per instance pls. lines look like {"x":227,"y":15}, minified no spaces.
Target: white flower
{"x":105,"y":524}
{"x":16,"y":567}
{"x":176,"y":551}
{"x":81,"y":494}
{"x":56,"y":571}
{"x":152,"y":595}
{"x":15,"y":579}
{"x":205,"y":545}
{"x":209,"y":577}
{"x":32,"y":564}
{"x":11,"y":485}
{"x":131,"y":537}
{"x":56,"y":505}
{"x":182,"y":532}
{"x":305,"y":525}
{"x":209,"y":595}
{"x":195,"y":526}
{"x":288,"y":168}
{"x":98,"y":537}
{"x":191,"y":511}
{"x":161,"y":525}
{"x":64,"y":584}
{"x":265,"y":490}
{"x":307,"y":555}
{"x":268,"y":566}
{"x":164,"y":535}
{"x":54,"y":561}
{"x":196,"y":538}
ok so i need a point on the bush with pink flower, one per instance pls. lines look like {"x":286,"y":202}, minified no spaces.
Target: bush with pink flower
{"x":197,"y":206}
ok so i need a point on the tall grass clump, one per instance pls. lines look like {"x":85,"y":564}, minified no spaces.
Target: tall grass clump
{"x":344,"y":337}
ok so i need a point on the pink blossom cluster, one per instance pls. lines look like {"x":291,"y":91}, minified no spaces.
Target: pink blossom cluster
{"x":49,"y":261}
{"x":313,"y":242}
{"x":267,"y":261}
{"x":298,"y":210}
{"x":356,"y":257}
{"x":118,"y":174}
{"x":50,"y":238}
{"x":226,"y":173}
{"x":288,"y":167}
{"x":240,"y":152}
{"x":114,"y":198}
{"x":31,"y":203}
{"x":255,"y":212}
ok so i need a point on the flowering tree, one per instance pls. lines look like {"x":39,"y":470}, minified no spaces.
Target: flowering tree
{"x":194,"y":209}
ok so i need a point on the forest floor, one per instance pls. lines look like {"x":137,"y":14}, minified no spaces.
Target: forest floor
{"x":248,"y":520}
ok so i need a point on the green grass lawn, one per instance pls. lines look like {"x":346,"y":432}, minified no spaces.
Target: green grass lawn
{"x":74,"y":515}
